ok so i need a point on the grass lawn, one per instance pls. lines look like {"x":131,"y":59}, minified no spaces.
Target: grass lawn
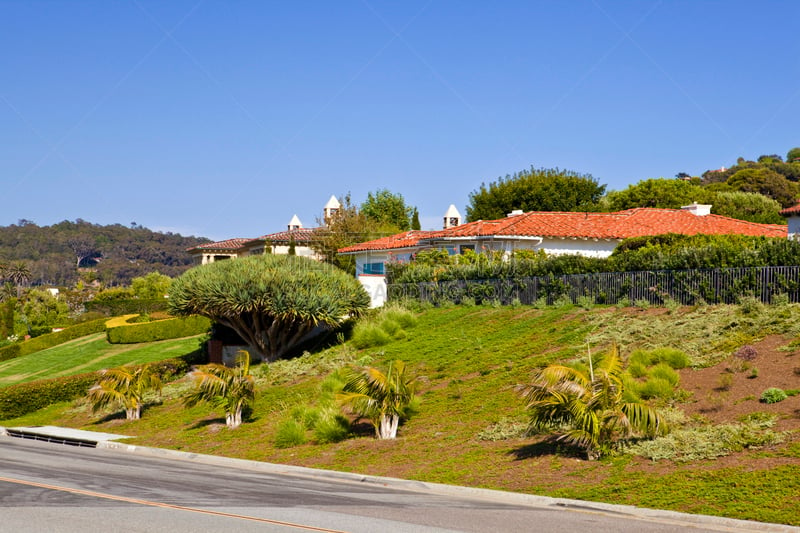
{"x":470,"y":361}
{"x":89,"y":353}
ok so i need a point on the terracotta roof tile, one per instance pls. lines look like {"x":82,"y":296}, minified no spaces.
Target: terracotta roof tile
{"x":227,"y":245}
{"x":407,"y":239}
{"x":301,"y":235}
{"x":618,"y":225}
{"x":794,"y":210}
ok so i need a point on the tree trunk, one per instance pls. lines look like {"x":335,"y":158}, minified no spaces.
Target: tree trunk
{"x":133,"y":413}
{"x":388,"y":426}
{"x":234,"y":420}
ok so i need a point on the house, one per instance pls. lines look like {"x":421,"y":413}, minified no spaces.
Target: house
{"x":295,"y":236}
{"x":589,"y":234}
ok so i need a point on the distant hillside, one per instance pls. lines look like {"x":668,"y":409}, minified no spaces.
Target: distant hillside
{"x":63,"y":253}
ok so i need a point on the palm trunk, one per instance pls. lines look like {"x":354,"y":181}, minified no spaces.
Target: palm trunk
{"x":234,"y":420}
{"x":133,"y":413}
{"x":388,"y":426}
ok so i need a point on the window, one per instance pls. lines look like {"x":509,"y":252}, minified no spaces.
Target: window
{"x":373,"y":268}
{"x":465,"y":247}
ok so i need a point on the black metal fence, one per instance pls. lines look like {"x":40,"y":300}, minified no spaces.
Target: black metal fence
{"x":720,"y":285}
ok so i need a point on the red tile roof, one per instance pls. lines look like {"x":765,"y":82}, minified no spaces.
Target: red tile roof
{"x":220,"y":246}
{"x":301,"y":235}
{"x":408,"y":239}
{"x":794,"y":210}
{"x":619,"y":225}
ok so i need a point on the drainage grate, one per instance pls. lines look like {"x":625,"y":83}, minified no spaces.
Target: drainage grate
{"x":69,"y":441}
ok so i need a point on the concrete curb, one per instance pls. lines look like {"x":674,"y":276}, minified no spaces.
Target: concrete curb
{"x":502,"y":497}
{"x":681,"y":520}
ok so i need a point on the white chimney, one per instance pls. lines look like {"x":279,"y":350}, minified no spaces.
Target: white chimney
{"x":295,"y":223}
{"x":452,"y":217}
{"x":330,"y":209}
{"x":696,"y":209}
{"x":516,"y":213}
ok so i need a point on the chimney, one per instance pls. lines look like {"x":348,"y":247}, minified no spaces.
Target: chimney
{"x":294,"y":224}
{"x":330,"y":209}
{"x":516,"y":213}
{"x":452,"y":217}
{"x":696,"y":209}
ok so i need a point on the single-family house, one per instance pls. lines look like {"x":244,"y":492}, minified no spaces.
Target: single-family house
{"x":295,"y":236}
{"x":589,"y":234}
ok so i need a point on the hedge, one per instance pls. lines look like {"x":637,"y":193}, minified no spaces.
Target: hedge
{"x":24,"y":398}
{"x":126,"y":307}
{"x":640,"y":254}
{"x":159,"y":330}
{"x":19,"y":400}
{"x":52,"y":339}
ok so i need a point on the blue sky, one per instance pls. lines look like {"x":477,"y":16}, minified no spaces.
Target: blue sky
{"x":223,"y":119}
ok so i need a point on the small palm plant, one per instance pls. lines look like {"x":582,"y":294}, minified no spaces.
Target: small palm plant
{"x":231,"y":389}
{"x":383,"y":398}
{"x":587,"y":409}
{"x":125,"y":386}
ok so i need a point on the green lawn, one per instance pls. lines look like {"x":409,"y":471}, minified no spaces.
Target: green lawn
{"x":89,"y":353}
{"x":470,"y":362}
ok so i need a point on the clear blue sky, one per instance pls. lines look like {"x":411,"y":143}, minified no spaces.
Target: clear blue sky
{"x":224,"y":118}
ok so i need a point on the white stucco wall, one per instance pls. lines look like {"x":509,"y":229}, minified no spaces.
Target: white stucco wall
{"x":375,"y":285}
{"x":302,"y":251}
{"x":589,"y":248}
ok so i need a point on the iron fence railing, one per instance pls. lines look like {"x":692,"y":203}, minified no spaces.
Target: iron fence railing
{"x":720,"y":285}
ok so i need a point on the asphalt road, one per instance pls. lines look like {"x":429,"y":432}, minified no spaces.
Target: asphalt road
{"x":56,"y":488}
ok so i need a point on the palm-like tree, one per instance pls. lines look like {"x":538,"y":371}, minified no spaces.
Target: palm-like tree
{"x":231,"y":389}
{"x":383,"y":398}
{"x":125,"y":386}
{"x":587,"y":409}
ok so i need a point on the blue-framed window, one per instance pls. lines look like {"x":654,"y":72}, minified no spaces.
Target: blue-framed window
{"x":373,"y":268}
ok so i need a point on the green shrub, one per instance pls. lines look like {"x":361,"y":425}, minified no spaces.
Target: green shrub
{"x":641,"y":357}
{"x":665,"y":372}
{"x":290,"y":433}
{"x":637,"y":370}
{"x":173,"y":328}
{"x":707,"y":442}
{"x":369,"y":334}
{"x":585,"y":302}
{"x":630,"y":389}
{"x":388,"y":324}
{"x":331,"y":427}
{"x":52,"y":339}
{"x":402,"y":316}
{"x":24,"y":398}
{"x":656,"y":387}
{"x":773,"y":395}
{"x":675,"y":358}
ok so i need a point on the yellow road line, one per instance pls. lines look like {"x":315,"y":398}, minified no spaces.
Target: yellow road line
{"x":166,"y":505}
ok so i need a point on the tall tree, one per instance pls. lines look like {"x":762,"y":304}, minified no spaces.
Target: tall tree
{"x":387,"y":208}
{"x":151,"y":287}
{"x":273,"y":302}
{"x":535,"y":190}
{"x":767,"y":182}
{"x":18,"y":274}
{"x":348,"y":226}
{"x":661,"y":193}
{"x":415,"y":225}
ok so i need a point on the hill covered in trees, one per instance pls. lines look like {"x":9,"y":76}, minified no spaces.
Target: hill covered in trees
{"x":64,"y":253}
